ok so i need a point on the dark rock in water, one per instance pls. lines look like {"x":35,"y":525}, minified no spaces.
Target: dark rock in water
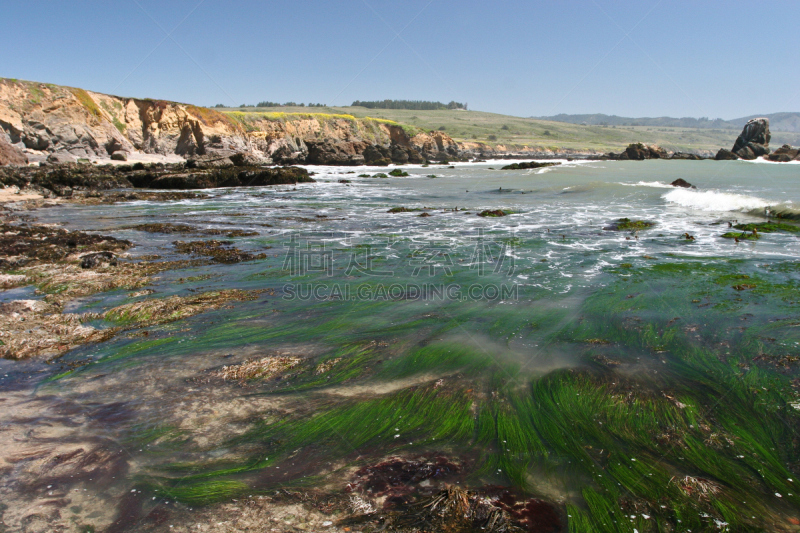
{"x":11,"y":155}
{"x":65,"y":180}
{"x":680,"y":182}
{"x":626,"y":224}
{"x":219,"y":251}
{"x":226,"y":177}
{"x":492,"y":213}
{"x":784,"y":154}
{"x":97,"y":259}
{"x":30,"y":245}
{"x":686,"y":156}
{"x":530,"y":164}
{"x":725,"y":155}
{"x":638,"y":152}
{"x":119,"y":155}
{"x":755,"y":136}
{"x":746,"y":153}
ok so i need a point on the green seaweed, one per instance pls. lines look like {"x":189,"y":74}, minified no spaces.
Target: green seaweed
{"x":743,"y":236}
{"x":769,"y":227}
{"x":626,"y":224}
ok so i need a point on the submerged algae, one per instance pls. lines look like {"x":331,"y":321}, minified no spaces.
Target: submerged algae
{"x":630,"y":440}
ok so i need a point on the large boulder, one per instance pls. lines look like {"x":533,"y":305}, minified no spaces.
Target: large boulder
{"x":639,"y":152}
{"x":11,"y":155}
{"x":725,"y":155}
{"x":680,"y":182}
{"x":119,"y":155}
{"x":746,"y":152}
{"x":754,"y":140}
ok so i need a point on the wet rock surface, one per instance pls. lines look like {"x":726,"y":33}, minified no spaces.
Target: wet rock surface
{"x":219,"y":251}
{"x":626,"y":224}
{"x":164,"y":310}
{"x":492,"y":509}
{"x":75,"y":180}
{"x":492,"y":213}
{"x":30,"y":245}
{"x":225,"y":177}
{"x":96,"y":259}
{"x":168,"y":228}
{"x":398,"y":477}
{"x":784,"y":154}
{"x":528,"y":165}
{"x":680,"y":182}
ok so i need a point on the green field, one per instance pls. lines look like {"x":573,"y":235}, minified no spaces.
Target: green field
{"x":507,"y":130}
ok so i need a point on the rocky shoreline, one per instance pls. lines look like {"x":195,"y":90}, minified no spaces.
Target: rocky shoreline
{"x":752,"y":143}
{"x":49,"y":124}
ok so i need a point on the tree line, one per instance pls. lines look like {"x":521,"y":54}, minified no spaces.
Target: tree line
{"x":417,"y":105}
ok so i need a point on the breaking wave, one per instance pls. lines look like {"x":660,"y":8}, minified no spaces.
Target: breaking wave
{"x":724,"y":201}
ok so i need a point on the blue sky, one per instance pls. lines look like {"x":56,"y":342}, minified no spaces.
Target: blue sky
{"x":644,"y":58}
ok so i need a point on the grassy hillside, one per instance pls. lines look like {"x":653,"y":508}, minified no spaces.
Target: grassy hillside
{"x":508,"y":130}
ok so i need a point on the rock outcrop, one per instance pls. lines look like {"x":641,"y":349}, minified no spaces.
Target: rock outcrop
{"x":725,"y":155}
{"x":224,"y":177}
{"x":81,"y":180}
{"x":680,"y":182}
{"x":784,"y":154}
{"x":639,"y":152}
{"x":753,"y":142}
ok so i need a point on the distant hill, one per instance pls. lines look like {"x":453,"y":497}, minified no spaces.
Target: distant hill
{"x":789,"y":122}
{"x":777,"y":121}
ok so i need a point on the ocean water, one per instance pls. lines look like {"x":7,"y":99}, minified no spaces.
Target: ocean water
{"x":542,"y":350}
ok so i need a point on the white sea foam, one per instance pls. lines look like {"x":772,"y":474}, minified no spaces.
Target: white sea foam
{"x":716,"y":201}
{"x":655,"y":184}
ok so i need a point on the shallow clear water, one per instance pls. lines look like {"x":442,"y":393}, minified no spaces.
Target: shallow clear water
{"x":554,"y":290}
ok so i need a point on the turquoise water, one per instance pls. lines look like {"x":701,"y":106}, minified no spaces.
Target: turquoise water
{"x":604,"y":371}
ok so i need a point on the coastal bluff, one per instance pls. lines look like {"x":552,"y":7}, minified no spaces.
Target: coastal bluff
{"x":45,"y":122}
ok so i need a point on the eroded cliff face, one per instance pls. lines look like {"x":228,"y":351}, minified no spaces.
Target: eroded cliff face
{"x":42,"y":121}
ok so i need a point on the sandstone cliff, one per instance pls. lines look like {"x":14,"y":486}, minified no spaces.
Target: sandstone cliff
{"x":43,"y":121}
